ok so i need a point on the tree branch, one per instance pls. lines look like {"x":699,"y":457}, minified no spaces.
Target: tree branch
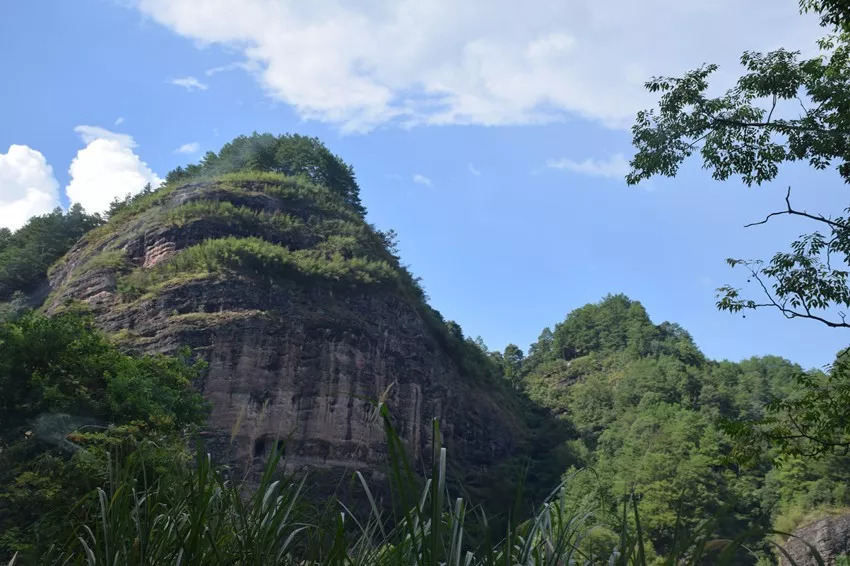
{"x":772,"y":108}
{"x":791,"y":211}
{"x":822,"y":442}
{"x":791,"y":313}
{"x":774,"y":125}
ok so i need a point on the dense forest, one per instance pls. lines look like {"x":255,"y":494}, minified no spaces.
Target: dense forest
{"x":673,"y":458}
{"x":651,"y":414}
{"x":26,"y":254}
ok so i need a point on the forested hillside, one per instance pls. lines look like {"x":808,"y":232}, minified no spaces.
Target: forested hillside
{"x":651,"y":414}
{"x":26,"y":254}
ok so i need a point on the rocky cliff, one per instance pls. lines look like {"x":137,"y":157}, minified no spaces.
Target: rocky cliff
{"x":829,"y":536}
{"x":305,"y":318}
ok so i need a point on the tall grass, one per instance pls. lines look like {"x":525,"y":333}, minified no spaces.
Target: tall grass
{"x":201,"y":517}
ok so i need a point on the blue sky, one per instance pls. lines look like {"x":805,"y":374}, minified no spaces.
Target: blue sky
{"x":492,"y":139}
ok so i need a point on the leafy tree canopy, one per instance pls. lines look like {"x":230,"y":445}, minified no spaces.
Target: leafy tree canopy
{"x":615,"y":324}
{"x":290,"y":154}
{"x":26,"y":254}
{"x":67,"y":395}
{"x":784,"y":108}
{"x":649,"y":410}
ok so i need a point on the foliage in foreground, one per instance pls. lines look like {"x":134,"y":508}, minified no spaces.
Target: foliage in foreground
{"x":67,"y":397}
{"x":198,"y":517}
{"x":642,"y":397}
{"x":122,"y":493}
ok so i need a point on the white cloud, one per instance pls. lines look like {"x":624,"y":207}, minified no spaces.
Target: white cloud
{"x":189,"y":83}
{"x":192,"y":147}
{"x":615,"y":167}
{"x":27,"y":186}
{"x":119,"y":120}
{"x":91,"y":133}
{"x":474,"y":170}
{"x":106,"y":168}
{"x":491,"y":62}
{"x":421,"y":179}
{"x":230,"y":67}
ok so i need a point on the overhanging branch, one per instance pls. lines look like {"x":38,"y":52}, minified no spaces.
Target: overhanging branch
{"x":790,"y":312}
{"x":791,"y":211}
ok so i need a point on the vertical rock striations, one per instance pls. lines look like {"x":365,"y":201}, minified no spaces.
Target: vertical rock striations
{"x":304,"y":317}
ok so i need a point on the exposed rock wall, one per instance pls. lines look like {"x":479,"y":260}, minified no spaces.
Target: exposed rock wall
{"x":830,"y":536}
{"x":287,"y":360}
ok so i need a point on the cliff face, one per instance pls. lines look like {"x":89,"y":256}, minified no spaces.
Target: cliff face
{"x":830,"y":536}
{"x":304,"y":317}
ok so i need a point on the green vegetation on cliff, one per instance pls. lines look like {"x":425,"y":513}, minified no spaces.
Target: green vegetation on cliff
{"x":290,"y":155}
{"x":332,"y":261}
{"x":265,"y":226}
{"x":257,"y":224}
